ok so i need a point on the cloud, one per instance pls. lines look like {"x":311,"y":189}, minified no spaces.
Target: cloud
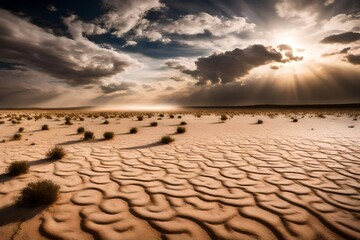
{"x":77,"y":28}
{"x":193,"y":24}
{"x":288,"y":53}
{"x":300,"y":8}
{"x":79,"y":62}
{"x":124,"y":15}
{"x":117,"y":87}
{"x":343,"y":51}
{"x":342,"y":38}
{"x":325,"y":83}
{"x":229,"y":66}
{"x":354,"y":59}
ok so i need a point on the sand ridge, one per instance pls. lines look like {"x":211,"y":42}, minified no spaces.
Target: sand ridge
{"x":230,"y":185}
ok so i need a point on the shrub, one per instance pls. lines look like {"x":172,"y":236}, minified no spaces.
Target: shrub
{"x":80,"y":130}
{"x":81,"y":119}
{"x":45,"y":127}
{"x":167,"y":140}
{"x":180,"y":130}
{"x":106,"y":122}
{"x":17,"y":136}
{"x":43,"y":192}
{"x":259,"y":121}
{"x":153,"y":124}
{"x":140,"y":118}
{"x":108,"y":135}
{"x":68,"y":120}
{"x":56,"y":153}
{"x":161,"y":115}
{"x":88,"y":135}
{"x":179,"y":116}
{"x":18,"y":167}
{"x":295,"y":120}
{"x":223,"y":118}
{"x":183,"y":123}
{"x":2,"y":122}
{"x":21,"y":129}
{"x":133,"y":130}
{"x":171,"y":116}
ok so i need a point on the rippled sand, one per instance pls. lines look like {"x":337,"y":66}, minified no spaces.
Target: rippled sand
{"x":232,"y":180}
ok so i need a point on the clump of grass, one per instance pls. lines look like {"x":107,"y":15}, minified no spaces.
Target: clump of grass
{"x":45,"y":127}
{"x":56,"y":153}
{"x":88,"y":135}
{"x":167,"y":140}
{"x":223,"y":118}
{"x":43,"y":192}
{"x":140,"y":118}
{"x":108,"y":135}
{"x":18,"y":167}
{"x":21,"y":129}
{"x":181,"y":129}
{"x":17,"y":136}
{"x":259,"y":121}
{"x":133,"y":130}
{"x":153,"y":124}
{"x":106,"y":122}
{"x":80,"y":130}
{"x":183,"y":123}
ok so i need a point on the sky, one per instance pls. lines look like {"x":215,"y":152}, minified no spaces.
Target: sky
{"x":148,"y":53}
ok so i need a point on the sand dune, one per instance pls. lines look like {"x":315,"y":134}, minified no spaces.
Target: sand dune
{"x":232,"y":180}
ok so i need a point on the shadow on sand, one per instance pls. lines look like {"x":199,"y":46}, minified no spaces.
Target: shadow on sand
{"x":13,"y":213}
{"x":144,"y":146}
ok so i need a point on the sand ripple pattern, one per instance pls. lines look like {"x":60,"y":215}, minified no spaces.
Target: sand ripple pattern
{"x":233,"y":188}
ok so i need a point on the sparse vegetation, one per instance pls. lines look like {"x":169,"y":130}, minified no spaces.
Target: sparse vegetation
{"x":223,"y":118}
{"x":140,"y":118}
{"x":153,"y":124}
{"x":133,"y":130}
{"x":259,"y":121}
{"x":43,"y":192}
{"x":183,"y":123}
{"x":68,"y":121}
{"x":21,"y":129}
{"x":17,"y":136}
{"x":80,"y":130}
{"x":45,"y":127}
{"x":106,"y":122}
{"x":295,"y":120}
{"x":18,"y":167}
{"x":56,"y":153}
{"x":167,"y":140}
{"x":171,"y":116}
{"x":88,"y":135}
{"x":181,"y":129}
{"x":108,"y":135}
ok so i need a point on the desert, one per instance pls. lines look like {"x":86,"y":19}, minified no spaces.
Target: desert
{"x":221,"y":178}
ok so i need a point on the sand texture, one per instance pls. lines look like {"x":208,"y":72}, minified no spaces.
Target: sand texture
{"x":232,"y":180}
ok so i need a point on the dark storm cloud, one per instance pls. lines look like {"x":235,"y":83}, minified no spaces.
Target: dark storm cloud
{"x":117,"y":87}
{"x":337,"y":86}
{"x":76,"y":62}
{"x":354,"y":59}
{"x":342,"y":38}
{"x":228,"y":66}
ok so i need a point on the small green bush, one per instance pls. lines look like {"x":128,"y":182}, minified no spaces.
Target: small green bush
{"x":108,"y":135}
{"x":43,"y":192}
{"x":18,"y":167}
{"x":45,"y":127}
{"x":80,"y":130}
{"x":167,"y":140}
{"x":88,"y":135}
{"x":17,"y":136}
{"x":153,"y":124}
{"x":180,"y":130}
{"x":133,"y":130}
